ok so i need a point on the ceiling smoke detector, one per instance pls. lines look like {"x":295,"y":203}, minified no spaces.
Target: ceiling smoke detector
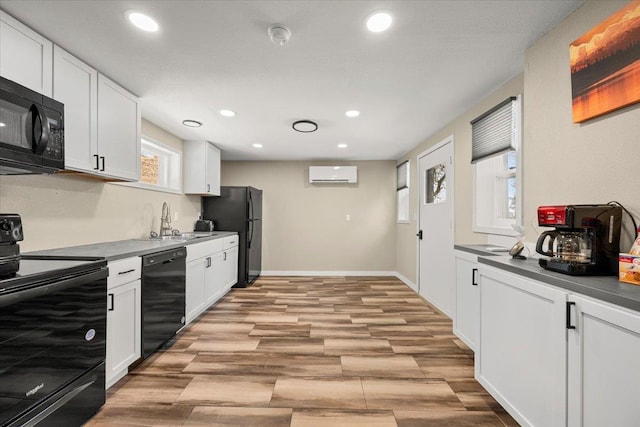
{"x":279,"y":35}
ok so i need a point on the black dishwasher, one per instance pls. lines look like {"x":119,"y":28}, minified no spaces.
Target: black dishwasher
{"x":163,"y":297}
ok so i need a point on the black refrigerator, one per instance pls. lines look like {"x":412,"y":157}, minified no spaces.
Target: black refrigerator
{"x":239,"y":209}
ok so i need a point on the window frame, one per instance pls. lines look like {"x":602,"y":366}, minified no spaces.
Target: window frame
{"x":172,"y":151}
{"x":501,"y":226}
{"x":403,"y":195}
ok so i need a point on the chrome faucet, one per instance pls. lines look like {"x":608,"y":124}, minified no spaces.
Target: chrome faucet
{"x":165,"y":220}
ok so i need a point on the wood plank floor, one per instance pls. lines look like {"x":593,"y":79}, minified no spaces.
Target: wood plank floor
{"x":309,"y":351}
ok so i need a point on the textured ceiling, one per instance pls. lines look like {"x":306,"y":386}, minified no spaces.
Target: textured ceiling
{"x":438,"y":58}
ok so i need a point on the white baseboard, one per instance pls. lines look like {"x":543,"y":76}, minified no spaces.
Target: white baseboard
{"x":405,"y":280}
{"x":329,"y":273}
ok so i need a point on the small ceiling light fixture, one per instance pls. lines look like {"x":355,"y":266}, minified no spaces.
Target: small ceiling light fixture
{"x":2,"y":125}
{"x":352,"y":113}
{"x":379,"y":21}
{"x":191,"y":123}
{"x":342,"y":145}
{"x":305,"y":126}
{"x":279,"y":35}
{"x":336,"y":167}
{"x":228,"y":113}
{"x":142,"y":21}
{"x":257,"y":145}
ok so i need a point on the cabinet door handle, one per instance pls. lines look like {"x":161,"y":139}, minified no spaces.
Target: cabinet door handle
{"x":225,"y":257}
{"x":127,"y":271}
{"x":208,"y":188}
{"x":474,"y":282}
{"x":111,"y":302}
{"x":102,"y":160}
{"x":569,"y":325}
{"x":97,"y":162}
{"x":208,"y":262}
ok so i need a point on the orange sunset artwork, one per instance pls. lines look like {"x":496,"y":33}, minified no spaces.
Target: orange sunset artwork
{"x":605,"y":65}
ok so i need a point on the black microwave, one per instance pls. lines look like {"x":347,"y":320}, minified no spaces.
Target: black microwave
{"x":31,"y":131}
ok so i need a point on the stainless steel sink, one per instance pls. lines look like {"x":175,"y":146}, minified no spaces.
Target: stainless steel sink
{"x":184,"y":236}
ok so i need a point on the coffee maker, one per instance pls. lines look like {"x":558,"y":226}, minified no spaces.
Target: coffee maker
{"x":10,"y":234}
{"x":585,"y":242}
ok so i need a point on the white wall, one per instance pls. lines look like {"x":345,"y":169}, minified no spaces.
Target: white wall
{"x":304,"y":225}
{"x":461,"y":131}
{"x":593,"y":162}
{"x":67,"y":210}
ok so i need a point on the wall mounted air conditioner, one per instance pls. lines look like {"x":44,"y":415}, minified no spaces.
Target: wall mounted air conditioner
{"x":333,"y":174}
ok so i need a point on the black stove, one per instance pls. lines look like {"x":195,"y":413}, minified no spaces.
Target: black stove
{"x":53,"y":319}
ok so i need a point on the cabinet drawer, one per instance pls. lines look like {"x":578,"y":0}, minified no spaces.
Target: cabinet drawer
{"x":124,"y":271}
{"x":229,"y":242}
{"x":202,"y":249}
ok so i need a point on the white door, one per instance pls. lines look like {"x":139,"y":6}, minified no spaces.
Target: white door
{"x":521,"y":358}
{"x":436,"y":278}
{"x":603,"y":354}
{"x":75,"y":85}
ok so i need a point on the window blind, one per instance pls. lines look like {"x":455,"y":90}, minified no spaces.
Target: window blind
{"x":402,"y":171}
{"x":494,"y":132}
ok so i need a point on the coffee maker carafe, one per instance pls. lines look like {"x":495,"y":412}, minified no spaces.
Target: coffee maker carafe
{"x":586,"y":240}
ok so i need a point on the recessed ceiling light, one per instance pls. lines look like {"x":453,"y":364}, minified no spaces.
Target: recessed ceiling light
{"x":352,"y":113}
{"x":257,"y":145}
{"x":2,"y":125}
{"x":142,"y":21}
{"x":342,"y":145}
{"x":336,"y":167}
{"x":305,"y":126}
{"x":227,"y":113}
{"x":191,"y":123}
{"x":379,"y":21}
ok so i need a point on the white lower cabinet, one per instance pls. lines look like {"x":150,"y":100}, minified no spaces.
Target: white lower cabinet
{"x":467,"y":314}
{"x":604,"y":365}
{"x":209,"y":274}
{"x":522,"y":353}
{"x":553,"y":358}
{"x":123,"y":317}
{"x":195,"y":280}
{"x":230,"y":262}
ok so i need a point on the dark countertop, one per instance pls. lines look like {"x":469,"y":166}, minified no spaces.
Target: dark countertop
{"x":605,"y":288}
{"x":481,"y":249}
{"x":129,"y":248}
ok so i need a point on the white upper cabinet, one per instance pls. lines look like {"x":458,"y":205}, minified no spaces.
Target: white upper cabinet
{"x":75,"y":84}
{"x":202,"y":168}
{"x":102,"y":120}
{"x":118,"y":131}
{"x":25,"y":56}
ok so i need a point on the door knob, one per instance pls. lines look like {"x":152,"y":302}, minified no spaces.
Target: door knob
{"x":419,"y":234}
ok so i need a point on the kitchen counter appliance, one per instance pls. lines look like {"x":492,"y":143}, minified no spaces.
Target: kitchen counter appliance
{"x":163,"y":297}
{"x":586,"y":240}
{"x":239,"y":209}
{"x":53,"y":316}
{"x":32,"y":131}
{"x":10,"y":235}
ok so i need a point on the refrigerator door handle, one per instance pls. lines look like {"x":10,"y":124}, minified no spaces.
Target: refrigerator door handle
{"x":250,"y":219}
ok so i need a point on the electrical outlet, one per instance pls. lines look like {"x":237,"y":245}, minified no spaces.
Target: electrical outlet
{"x":176,"y":216}
{"x":348,"y":217}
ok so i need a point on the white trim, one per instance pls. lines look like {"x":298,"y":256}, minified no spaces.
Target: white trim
{"x":406,"y":281}
{"x":329,"y":273}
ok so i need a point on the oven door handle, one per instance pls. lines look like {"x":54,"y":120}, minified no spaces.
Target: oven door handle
{"x":49,"y":287}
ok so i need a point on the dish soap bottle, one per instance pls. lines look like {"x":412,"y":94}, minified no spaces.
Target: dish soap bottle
{"x":635,"y":248}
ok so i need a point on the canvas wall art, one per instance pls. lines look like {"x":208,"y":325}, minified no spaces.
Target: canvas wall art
{"x":605,"y":65}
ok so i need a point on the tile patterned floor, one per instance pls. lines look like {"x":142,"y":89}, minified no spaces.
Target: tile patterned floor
{"x":309,"y":351}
